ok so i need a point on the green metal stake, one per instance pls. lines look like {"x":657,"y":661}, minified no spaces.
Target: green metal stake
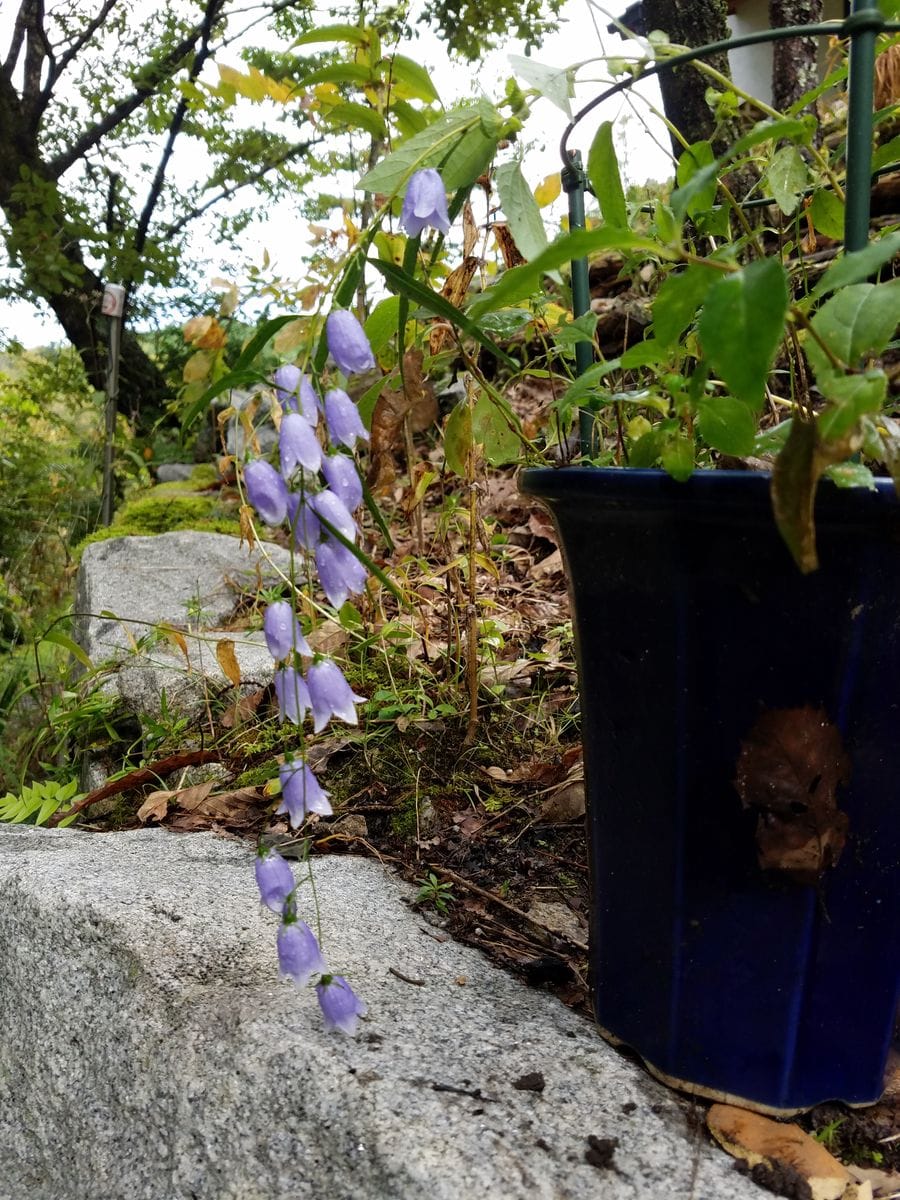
{"x":574,"y":182}
{"x":863,"y":26}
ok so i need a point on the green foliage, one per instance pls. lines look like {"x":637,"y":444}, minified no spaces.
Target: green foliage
{"x":38,"y":802}
{"x":433,"y":891}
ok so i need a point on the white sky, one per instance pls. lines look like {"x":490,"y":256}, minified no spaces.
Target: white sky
{"x":581,"y":35}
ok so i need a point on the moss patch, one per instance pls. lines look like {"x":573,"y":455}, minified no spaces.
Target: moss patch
{"x":165,"y":508}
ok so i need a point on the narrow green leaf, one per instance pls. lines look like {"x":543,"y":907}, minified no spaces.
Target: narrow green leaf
{"x":414,"y":78}
{"x":606,"y":182}
{"x":524,"y":281}
{"x":773,"y":130}
{"x":857,"y":266}
{"x":335,"y":33}
{"x":521,"y":210}
{"x":338,"y":73}
{"x":356,"y":116}
{"x":437,"y":144}
{"x":741,"y":326}
{"x":432,"y":302}
{"x":648,"y":353}
{"x":58,"y":638}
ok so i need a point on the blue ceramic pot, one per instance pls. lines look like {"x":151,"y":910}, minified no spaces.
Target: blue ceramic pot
{"x":741,"y":730}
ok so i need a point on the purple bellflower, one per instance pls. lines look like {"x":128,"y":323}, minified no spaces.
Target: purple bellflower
{"x":283,"y":633}
{"x":341,"y":1007}
{"x":425,"y":203}
{"x":266,"y":491}
{"x":292,"y":694}
{"x":340,"y":572}
{"x":330,"y":694}
{"x":326,"y":505}
{"x":348,"y":343}
{"x":345,"y":425}
{"x":304,"y":522}
{"x":342,"y":477}
{"x":301,"y":792}
{"x":274,"y":878}
{"x":295,"y":391}
{"x":298,"y":445}
{"x":299,"y":955}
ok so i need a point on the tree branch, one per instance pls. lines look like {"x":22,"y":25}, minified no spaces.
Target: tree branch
{"x":72,"y":52}
{"x":226,"y":193}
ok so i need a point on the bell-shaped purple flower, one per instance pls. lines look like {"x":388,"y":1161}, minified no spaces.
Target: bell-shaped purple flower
{"x":266,"y":491}
{"x":327,"y":506}
{"x":295,"y":391}
{"x":298,"y":445}
{"x":340,"y":572}
{"x":274,"y":878}
{"x":345,"y":425}
{"x":341,"y":1007}
{"x":301,"y":792}
{"x":292,"y":694}
{"x":425,"y":203}
{"x":330,"y":694}
{"x":303,"y":522}
{"x":347,"y":342}
{"x":283,"y":633}
{"x":299,"y":954}
{"x":342,"y":477}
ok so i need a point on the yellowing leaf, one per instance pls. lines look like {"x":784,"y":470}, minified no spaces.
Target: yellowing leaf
{"x":196,"y":367}
{"x":196,"y":328}
{"x":174,"y":636}
{"x":228,"y":662}
{"x":548,"y":190}
{"x":290,"y":337}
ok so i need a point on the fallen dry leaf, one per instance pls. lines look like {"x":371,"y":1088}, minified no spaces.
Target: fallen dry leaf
{"x":789,"y":769}
{"x":784,"y":1149}
{"x":567,"y":803}
{"x":242,"y":709}
{"x":154,"y":807}
{"x":228,"y":661}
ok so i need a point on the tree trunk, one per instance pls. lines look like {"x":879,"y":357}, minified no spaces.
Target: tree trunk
{"x":794,"y":60}
{"x":689,"y":23}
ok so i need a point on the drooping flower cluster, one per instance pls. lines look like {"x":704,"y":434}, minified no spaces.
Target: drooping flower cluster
{"x":319,"y":512}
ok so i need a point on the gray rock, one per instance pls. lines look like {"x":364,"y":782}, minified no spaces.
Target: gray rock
{"x":146,"y":580}
{"x":174,"y":472}
{"x":150,"y":1053}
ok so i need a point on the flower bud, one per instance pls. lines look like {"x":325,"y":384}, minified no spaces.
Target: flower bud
{"x":425,"y":203}
{"x":266,"y":491}
{"x":348,"y":343}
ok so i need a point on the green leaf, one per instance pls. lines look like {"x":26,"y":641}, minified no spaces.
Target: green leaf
{"x":521,"y":210}
{"x":58,"y":638}
{"x":741,"y":326}
{"x":677,"y":302}
{"x":457,"y":439}
{"x":584,"y":386}
{"x":356,"y":116}
{"x":335,"y":33}
{"x":261,"y":338}
{"x":727,"y":424}
{"x":606,"y":182}
{"x":851,"y":396}
{"x":851,"y":474}
{"x":413,"y":77}
{"x":827,"y":214}
{"x":786,"y":178}
{"x":771,"y":441}
{"x":697,"y":179}
{"x":381,"y":323}
{"x":409,"y":120}
{"x":454,"y":141}
{"x":796,"y":129}
{"x":552,"y":82}
{"x":677,"y":457}
{"x":857,"y":266}
{"x":432,"y":302}
{"x":648,"y":353}
{"x":494,"y":427}
{"x":338,"y":73}
{"x":857,"y":322}
{"x":520,"y":282}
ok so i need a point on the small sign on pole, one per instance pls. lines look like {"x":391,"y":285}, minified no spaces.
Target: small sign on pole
{"x":113,"y":307}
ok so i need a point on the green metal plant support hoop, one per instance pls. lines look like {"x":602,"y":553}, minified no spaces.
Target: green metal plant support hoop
{"x":861,"y":27}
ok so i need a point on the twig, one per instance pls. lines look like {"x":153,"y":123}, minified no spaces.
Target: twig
{"x":137,"y":778}
{"x":475,"y":1093}
{"x":406,"y":978}
{"x":495,"y":899}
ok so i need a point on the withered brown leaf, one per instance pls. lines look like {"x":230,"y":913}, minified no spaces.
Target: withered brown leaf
{"x":789,"y":769}
{"x":417,"y":402}
{"x":512,"y":255}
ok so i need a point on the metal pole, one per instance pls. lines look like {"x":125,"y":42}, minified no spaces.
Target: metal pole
{"x":574,"y":182}
{"x":863,"y":25}
{"x":113,"y":307}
